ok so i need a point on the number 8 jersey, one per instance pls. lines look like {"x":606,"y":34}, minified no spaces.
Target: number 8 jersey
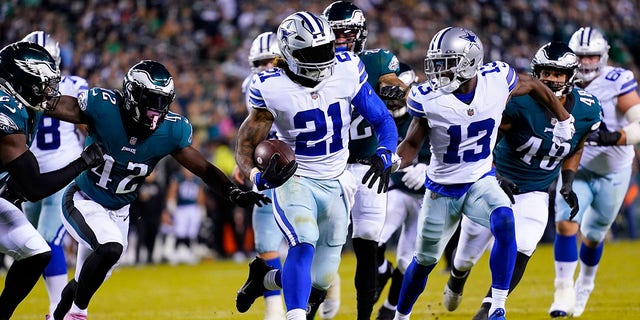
{"x":463,"y":135}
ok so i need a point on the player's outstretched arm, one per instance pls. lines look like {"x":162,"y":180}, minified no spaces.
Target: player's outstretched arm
{"x":65,"y":108}
{"x":541,"y":93}
{"x":195,"y":162}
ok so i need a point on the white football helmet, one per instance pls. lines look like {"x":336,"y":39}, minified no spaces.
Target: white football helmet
{"x":588,"y":41}
{"x":454,"y":56}
{"x":263,"y":47}
{"x":556,"y":55}
{"x":306,"y":42}
{"x":47,"y":41}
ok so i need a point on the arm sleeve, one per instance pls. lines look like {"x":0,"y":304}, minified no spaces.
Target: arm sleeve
{"x":33,"y":185}
{"x":374,"y":110}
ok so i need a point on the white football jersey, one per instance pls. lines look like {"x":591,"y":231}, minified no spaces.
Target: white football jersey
{"x":57,"y":143}
{"x":313,"y":121}
{"x":607,"y":86}
{"x":463,"y":135}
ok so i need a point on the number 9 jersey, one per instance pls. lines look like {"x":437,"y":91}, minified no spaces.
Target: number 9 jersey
{"x":463,"y":135}
{"x":128,"y":160}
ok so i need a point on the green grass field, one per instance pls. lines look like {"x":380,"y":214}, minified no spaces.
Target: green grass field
{"x":207,"y":291}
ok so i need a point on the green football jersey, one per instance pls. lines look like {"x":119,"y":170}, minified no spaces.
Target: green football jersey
{"x":16,"y":118}
{"x":127,"y":160}
{"x":424,"y":155}
{"x":363,"y":141}
{"x":526,"y":154}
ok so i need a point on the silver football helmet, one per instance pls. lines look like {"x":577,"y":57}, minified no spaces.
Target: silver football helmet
{"x":454,"y":56}
{"x":306,"y":42}
{"x":47,"y":41}
{"x":557,"y":56}
{"x":263,"y":47}
{"x":588,"y":41}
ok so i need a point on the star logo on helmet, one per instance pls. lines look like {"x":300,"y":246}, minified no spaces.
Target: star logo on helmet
{"x":470,"y":37}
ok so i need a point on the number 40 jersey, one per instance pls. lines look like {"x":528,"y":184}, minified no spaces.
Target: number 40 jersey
{"x":463,"y":135}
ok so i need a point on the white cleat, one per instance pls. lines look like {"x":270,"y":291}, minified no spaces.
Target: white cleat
{"x":564,"y":299}
{"x":583,"y":291}
{"x":331,"y":305}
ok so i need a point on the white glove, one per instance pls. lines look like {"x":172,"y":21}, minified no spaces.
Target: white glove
{"x":415,"y":176}
{"x":564,"y":130}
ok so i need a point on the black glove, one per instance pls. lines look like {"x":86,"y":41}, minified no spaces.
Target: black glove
{"x":247,"y":198}
{"x":381,"y":166}
{"x":270,"y":177}
{"x":508,"y":186}
{"x":566,"y":191}
{"x":603,"y":137}
{"x":10,"y":193}
{"x":391,"y":93}
{"x":93,"y":155}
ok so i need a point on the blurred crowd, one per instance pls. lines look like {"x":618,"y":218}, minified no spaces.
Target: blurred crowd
{"x":205,"y":43}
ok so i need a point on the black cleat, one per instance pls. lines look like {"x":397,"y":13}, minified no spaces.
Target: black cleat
{"x":253,"y":288}
{"x":483,"y":312}
{"x":385,"y":313}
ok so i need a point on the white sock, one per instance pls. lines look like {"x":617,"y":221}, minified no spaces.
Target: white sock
{"x":587,"y":273}
{"x":400,"y":316}
{"x":55,"y":285}
{"x":565,"y":270}
{"x":297,"y":314}
{"x":388,"y":305}
{"x":498,"y":299}
{"x":273,"y":304}
{"x":75,"y":309}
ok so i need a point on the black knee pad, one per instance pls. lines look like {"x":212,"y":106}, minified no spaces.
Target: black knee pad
{"x":110,"y":251}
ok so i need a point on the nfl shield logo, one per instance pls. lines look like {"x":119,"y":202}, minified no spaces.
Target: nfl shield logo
{"x":314,"y":95}
{"x":133,"y":141}
{"x":470,"y":112}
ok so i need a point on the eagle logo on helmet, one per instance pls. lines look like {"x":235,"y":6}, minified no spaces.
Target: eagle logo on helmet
{"x":36,"y":68}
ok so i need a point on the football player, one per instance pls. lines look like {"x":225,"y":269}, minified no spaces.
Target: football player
{"x":527,"y":163}
{"x":370,"y":205}
{"x":28,"y":77}
{"x":56,"y":144}
{"x":603,"y":176}
{"x":309,"y":98}
{"x":459,"y":109}
{"x":405,"y":197}
{"x":137,"y":130}
{"x":267,"y":237}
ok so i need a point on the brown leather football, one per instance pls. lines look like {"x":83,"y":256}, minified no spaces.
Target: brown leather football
{"x":267,"y":148}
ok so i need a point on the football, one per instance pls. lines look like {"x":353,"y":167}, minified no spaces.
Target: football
{"x":267,"y":148}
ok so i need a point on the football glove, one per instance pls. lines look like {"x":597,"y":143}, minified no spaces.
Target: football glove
{"x":415,"y":176}
{"x":391,"y":93}
{"x":247,"y":198}
{"x":564,"y":130}
{"x":93,"y":155}
{"x":603,"y":137}
{"x":270,"y":177}
{"x":383,"y":163}
{"x":508,"y":186}
{"x":566,"y":191}
{"x":10,"y":193}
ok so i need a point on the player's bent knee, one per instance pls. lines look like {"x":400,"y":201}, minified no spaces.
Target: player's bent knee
{"x":110,"y":251}
{"x":502,"y":222}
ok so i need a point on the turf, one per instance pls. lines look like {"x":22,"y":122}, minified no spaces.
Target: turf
{"x":207,"y":291}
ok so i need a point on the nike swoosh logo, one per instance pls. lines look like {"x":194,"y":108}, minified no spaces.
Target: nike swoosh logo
{"x":13,"y":110}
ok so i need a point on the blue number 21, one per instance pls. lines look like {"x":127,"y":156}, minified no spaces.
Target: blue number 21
{"x":308,"y":143}
{"x":482,"y":130}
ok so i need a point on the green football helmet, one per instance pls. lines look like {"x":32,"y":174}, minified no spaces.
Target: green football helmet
{"x":348,"y":20}
{"x":148,"y":92}
{"x":29,"y":73}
